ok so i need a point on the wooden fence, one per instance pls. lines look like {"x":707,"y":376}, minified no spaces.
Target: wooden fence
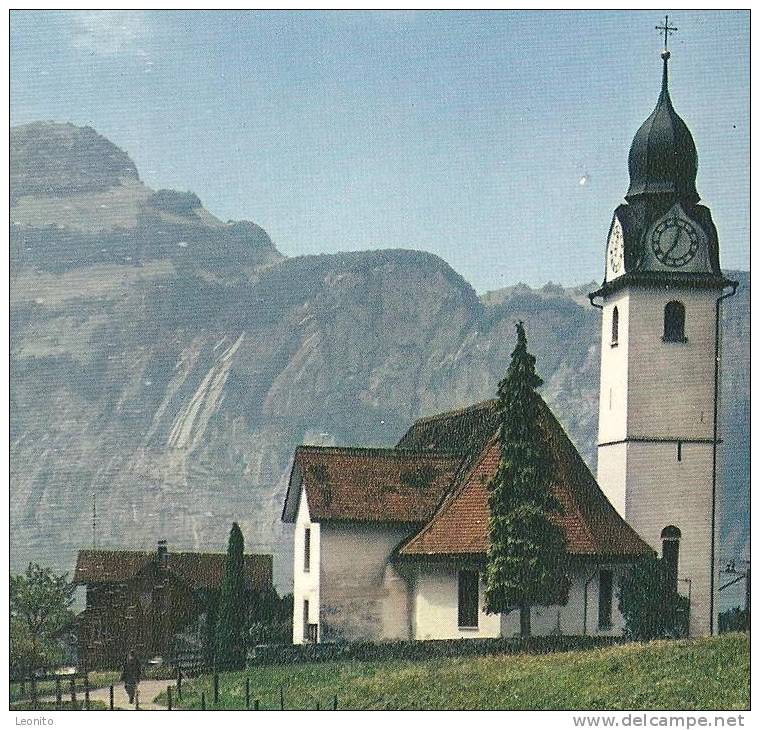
{"x":68,"y":695}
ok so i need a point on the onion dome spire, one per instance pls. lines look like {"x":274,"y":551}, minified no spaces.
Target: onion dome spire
{"x":663,"y":157}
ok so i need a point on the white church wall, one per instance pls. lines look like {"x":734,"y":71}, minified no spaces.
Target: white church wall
{"x":363,"y":596}
{"x":569,"y":619}
{"x":611,"y":474}
{"x":669,"y":406}
{"x":305,"y":583}
{"x":435,"y":605}
{"x":664,"y":491}
{"x":670,"y":384}
{"x":613,"y":381}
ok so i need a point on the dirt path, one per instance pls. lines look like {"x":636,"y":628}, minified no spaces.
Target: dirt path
{"x":149,"y":689}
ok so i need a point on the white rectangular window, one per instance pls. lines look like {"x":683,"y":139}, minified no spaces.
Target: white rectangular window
{"x":307,"y":550}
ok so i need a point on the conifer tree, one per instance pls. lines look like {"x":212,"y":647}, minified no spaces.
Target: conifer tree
{"x":232,"y":608}
{"x":527,"y":557}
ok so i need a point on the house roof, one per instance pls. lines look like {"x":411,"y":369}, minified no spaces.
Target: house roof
{"x":368,"y":485}
{"x":460,"y":524}
{"x":199,"y":570}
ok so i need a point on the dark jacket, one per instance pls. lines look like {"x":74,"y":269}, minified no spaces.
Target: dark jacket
{"x":130,"y":674}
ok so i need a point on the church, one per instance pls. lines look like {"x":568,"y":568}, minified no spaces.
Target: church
{"x":391,"y":544}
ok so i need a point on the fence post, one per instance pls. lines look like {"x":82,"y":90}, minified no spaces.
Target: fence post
{"x":317,"y":704}
{"x":86,"y":693}
{"x":137,"y":697}
{"x":216,"y":688}
{"x":255,"y":704}
{"x":34,"y":692}
{"x":57,"y":693}
{"x":335,"y":702}
{"x":169,"y":697}
{"x":110,"y":697}
{"x":203,"y":700}
{"x":247,"y":693}
{"x":73,"y":692}
{"x":282,"y":697}
{"x":179,"y":684}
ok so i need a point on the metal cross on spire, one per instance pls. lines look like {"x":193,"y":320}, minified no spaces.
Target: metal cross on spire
{"x":665,"y":30}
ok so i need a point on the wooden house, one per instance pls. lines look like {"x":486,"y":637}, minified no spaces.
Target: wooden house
{"x":139,"y":600}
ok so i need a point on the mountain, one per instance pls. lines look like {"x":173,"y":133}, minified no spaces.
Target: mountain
{"x":168,"y":363}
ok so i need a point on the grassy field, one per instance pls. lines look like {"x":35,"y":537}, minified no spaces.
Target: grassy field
{"x":702,"y":674}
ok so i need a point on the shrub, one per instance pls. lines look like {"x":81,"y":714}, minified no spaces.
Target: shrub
{"x":651,"y":608}
{"x":418,"y":650}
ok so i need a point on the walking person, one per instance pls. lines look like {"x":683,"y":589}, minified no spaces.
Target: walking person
{"x":130,"y":675}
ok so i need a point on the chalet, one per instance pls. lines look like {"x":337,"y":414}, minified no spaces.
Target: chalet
{"x":391,"y":543}
{"x":140,"y":600}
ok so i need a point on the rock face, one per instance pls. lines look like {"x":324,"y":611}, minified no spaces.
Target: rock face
{"x":169,"y":363}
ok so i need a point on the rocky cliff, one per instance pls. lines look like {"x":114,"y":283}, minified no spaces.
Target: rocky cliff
{"x":168,"y":363}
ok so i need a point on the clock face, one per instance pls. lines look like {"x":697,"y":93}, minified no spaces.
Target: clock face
{"x":675,"y":241}
{"x":615,"y":247}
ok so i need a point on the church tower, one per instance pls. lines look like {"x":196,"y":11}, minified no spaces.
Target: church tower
{"x":660,"y":301}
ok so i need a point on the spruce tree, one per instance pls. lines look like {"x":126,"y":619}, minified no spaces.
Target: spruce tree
{"x":232,"y":608}
{"x":527,"y":557}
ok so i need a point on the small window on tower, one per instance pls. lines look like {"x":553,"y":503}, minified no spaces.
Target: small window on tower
{"x":615,"y":323}
{"x":675,"y":322}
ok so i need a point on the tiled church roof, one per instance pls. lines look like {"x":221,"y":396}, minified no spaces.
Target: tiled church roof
{"x":460,"y":524}
{"x":369,"y":485}
{"x":454,"y":456}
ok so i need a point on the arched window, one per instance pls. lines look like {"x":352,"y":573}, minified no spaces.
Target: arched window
{"x":675,"y":321}
{"x":671,"y":538}
{"x":615,"y":323}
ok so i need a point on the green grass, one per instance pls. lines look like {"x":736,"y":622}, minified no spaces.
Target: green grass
{"x":701,"y":674}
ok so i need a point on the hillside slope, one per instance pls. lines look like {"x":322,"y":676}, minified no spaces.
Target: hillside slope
{"x":703,"y":674}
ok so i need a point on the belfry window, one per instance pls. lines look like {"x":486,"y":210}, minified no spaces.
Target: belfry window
{"x":671,"y":539}
{"x":615,"y":323}
{"x":675,"y":322}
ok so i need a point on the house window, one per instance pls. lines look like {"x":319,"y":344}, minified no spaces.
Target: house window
{"x":305,"y":620}
{"x":615,"y":324}
{"x":468,"y":599}
{"x":307,"y":550}
{"x":605,"y":599}
{"x":675,"y":322}
{"x":679,"y":453}
{"x":671,"y":543}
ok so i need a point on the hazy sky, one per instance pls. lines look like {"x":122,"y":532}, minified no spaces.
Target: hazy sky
{"x":463,"y":134}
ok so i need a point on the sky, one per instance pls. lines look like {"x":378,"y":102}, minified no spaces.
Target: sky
{"x":497,"y":140}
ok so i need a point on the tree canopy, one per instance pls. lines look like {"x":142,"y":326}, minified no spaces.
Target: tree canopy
{"x":40,"y":613}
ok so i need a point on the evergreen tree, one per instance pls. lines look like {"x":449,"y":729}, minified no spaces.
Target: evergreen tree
{"x":232,"y":609}
{"x":527,"y":557}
